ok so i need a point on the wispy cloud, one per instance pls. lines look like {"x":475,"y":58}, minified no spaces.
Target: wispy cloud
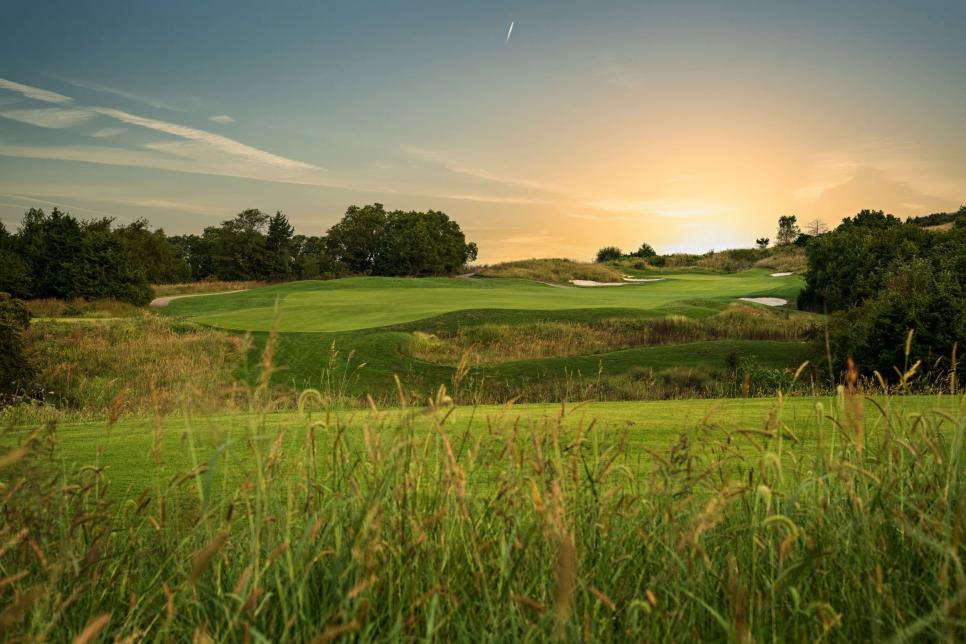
{"x":107,"y":194}
{"x":896,"y":162}
{"x":104,"y":155}
{"x":222,"y":119}
{"x":32,"y":200}
{"x":214,"y":141}
{"x":33,"y":92}
{"x":107,"y":132}
{"x":658,"y":207}
{"x":440,"y":159}
{"x":491,"y":198}
{"x":203,"y":140}
{"x":131,"y":96}
{"x":540,"y":239}
{"x":49,"y":117}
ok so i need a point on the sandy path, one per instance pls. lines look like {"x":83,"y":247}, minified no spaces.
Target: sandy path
{"x":161,"y":302}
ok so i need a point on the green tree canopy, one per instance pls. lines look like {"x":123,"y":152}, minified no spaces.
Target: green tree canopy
{"x":787,"y":230}
{"x":422,"y":243}
{"x":278,"y":244}
{"x":355,"y":241}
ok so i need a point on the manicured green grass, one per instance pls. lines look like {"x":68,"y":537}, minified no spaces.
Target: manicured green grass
{"x":370,"y":302}
{"x":371,"y":318}
{"x":125,"y":449}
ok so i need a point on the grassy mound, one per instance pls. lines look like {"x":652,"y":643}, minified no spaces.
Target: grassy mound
{"x":494,"y":342}
{"x":556,"y":271}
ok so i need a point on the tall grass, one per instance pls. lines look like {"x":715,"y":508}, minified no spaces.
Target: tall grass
{"x":556,"y":271}
{"x":49,"y":307}
{"x":381,"y":528}
{"x":779,"y":258}
{"x":204,"y":286}
{"x":491,"y":343}
{"x":130,"y":366}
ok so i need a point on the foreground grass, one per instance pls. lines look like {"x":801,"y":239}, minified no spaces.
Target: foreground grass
{"x":798,"y":519}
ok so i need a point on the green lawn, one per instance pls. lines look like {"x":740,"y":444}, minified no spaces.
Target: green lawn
{"x":371,"y":302}
{"x":125,"y":451}
{"x":371,"y":319}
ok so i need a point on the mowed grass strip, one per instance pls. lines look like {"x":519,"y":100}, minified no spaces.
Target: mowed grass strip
{"x":370,"y":302}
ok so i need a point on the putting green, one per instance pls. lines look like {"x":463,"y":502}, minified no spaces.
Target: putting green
{"x":370,"y":302}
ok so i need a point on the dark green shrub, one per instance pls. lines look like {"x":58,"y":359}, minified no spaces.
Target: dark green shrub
{"x":15,"y":370}
{"x":609,"y":254}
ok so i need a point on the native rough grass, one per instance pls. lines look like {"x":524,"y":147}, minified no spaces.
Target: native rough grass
{"x":204,"y":286}
{"x":411,"y":524}
{"x":133,"y":365}
{"x":557,"y":271}
{"x":491,"y":343}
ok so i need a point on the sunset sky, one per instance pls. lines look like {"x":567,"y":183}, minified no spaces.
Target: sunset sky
{"x":688,"y":125}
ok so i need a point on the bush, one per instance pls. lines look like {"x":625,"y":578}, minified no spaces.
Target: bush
{"x":609,"y":254}
{"x":916,"y":297}
{"x":15,"y":370}
{"x":644,"y":252}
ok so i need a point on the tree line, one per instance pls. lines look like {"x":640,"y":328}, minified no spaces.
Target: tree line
{"x":56,"y":255}
{"x":880,"y":278}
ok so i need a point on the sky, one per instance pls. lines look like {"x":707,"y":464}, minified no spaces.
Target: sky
{"x":688,"y":125}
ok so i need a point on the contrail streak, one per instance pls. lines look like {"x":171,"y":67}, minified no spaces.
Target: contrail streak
{"x":509,"y":31}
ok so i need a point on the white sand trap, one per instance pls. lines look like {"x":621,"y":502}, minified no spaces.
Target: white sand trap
{"x":780,"y":274}
{"x":767,"y":301}
{"x":627,"y":278}
{"x":593,"y":283}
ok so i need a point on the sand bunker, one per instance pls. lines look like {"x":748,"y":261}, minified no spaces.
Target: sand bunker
{"x":593,"y":283}
{"x":767,"y":301}
{"x":780,"y":274}
{"x":627,"y":278}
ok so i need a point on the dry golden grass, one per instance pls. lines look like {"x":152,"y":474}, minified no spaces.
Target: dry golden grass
{"x":557,"y":271}
{"x":496,"y":343}
{"x":206,"y":286}
{"x":784,"y":258}
{"x":790,"y":258}
{"x":136,"y":365}
{"x":49,"y":307}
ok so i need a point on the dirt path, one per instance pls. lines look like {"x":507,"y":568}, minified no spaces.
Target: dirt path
{"x":161,"y":302}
